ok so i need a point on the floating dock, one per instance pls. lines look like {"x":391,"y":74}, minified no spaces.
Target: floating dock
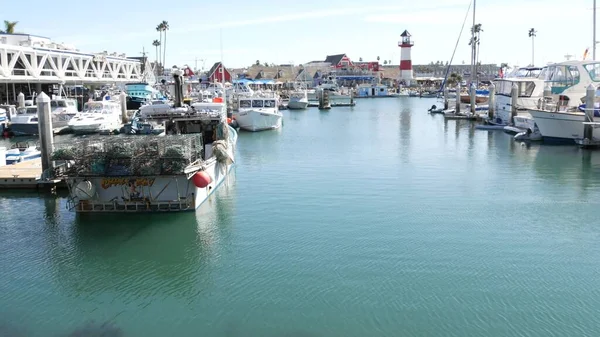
{"x":24,"y":175}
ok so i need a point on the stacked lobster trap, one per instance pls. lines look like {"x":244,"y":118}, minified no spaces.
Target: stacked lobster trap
{"x":129,"y":156}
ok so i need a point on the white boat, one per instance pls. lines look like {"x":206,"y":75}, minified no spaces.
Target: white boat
{"x":25,"y":123}
{"x":298,"y":100}
{"x":171,"y":173}
{"x":258,"y":113}
{"x":21,"y":152}
{"x":562,"y":121}
{"x":97,"y":116}
{"x":338,"y":96}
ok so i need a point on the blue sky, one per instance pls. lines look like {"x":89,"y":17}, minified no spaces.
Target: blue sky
{"x":302,"y":31}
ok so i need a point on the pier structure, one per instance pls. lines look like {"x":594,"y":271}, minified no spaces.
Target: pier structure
{"x":37,"y":60}
{"x":406,"y":70}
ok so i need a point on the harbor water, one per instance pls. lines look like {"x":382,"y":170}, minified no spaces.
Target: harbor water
{"x":373,"y":220}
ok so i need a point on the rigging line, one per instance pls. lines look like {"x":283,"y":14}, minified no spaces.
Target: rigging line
{"x":456,"y":46}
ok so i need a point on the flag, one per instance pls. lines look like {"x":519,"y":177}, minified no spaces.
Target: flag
{"x":585,"y":53}
{"x":501,"y":73}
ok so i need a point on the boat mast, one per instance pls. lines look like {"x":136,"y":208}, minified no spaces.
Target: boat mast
{"x":222,"y":66}
{"x":473,"y":48}
{"x":594,"y":45}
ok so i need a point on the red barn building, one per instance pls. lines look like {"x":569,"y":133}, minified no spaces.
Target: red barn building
{"x":215,"y":74}
{"x":339,"y":61}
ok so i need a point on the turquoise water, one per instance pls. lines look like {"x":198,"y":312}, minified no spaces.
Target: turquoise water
{"x":377,"y":220}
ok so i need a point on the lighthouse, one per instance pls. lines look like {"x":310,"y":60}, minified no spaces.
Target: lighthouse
{"x":405,"y":44}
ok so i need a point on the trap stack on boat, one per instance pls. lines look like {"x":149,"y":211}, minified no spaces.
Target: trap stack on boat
{"x":175,"y":172}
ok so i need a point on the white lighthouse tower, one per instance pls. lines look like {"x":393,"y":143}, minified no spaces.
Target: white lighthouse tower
{"x":406,"y":71}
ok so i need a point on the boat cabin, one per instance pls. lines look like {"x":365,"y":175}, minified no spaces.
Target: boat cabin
{"x":528,"y":87}
{"x":372,"y":90}
{"x":250,"y":103}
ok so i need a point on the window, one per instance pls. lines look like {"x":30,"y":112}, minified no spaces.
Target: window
{"x":594,"y":70}
{"x":270,"y":103}
{"x":245,"y":103}
{"x":526,"y":88}
{"x":257,"y":103}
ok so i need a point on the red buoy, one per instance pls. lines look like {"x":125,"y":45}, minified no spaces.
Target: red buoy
{"x":201,"y":179}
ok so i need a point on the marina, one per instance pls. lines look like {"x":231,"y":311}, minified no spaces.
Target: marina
{"x":215,"y":188}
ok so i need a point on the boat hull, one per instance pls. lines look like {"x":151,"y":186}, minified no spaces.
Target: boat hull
{"x":256,"y":120}
{"x":560,"y":127}
{"x":126,"y":194}
{"x":478,"y":99}
{"x":28,"y":129}
{"x":297,"y":105}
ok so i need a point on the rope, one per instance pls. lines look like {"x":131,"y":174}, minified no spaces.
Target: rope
{"x":456,"y":46}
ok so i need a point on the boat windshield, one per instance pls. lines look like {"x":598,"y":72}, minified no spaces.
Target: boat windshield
{"x":257,"y":103}
{"x":561,"y":77}
{"x":269,"y":103}
{"x":504,"y":88}
{"x":594,"y":70}
{"x":58,"y":104}
{"x":245,"y":103}
{"x":27,"y":110}
{"x":94,"y":107}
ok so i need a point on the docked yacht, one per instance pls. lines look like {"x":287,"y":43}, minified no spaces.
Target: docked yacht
{"x":561,"y":120}
{"x":298,"y":100}
{"x":258,"y":112}
{"x":139,"y":94}
{"x":530,"y":91}
{"x":97,"y":116}
{"x":22,"y":151}
{"x":338,"y":96}
{"x":25,"y":123}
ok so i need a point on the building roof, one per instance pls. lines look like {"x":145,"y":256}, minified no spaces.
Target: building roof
{"x":214,"y":68}
{"x":334,"y":59}
{"x":405,"y":33}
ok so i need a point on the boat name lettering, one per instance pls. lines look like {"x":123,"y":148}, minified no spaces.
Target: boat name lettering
{"x":109,"y":182}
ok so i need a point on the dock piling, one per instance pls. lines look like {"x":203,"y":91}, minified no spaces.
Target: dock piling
{"x":21,"y":100}
{"x":473,"y":94}
{"x":457,"y":102}
{"x":446,"y":104}
{"x":514,"y":96}
{"x":45,"y":130}
{"x":492,"y":101}
{"x":123,"y":101}
{"x":590,"y":97}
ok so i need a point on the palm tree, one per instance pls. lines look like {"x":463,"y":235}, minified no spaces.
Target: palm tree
{"x":165,"y":27}
{"x":9,"y":27}
{"x":257,"y":62}
{"x":378,"y":58}
{"x":532,"y":33}
{"x":385,"y":62}
{"x":360,"y":59}
{"x":159,"y":30}
{"x":156,"y":44}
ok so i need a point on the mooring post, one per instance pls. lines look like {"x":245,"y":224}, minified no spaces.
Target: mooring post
{"x":457,"y":102}
{"x":45,"y":130}
{"x":473,"y":93}
{"x":123,"y":100}
{"x":446,"y":98}
{"x":547,"y":93}
{"x":514,"y":96}
{"x":590,"y":97}
{"x":492,"y":101}
{"x":21,"y":100}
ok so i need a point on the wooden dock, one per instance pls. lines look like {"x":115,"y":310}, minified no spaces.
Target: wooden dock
{"x":24,"y":175}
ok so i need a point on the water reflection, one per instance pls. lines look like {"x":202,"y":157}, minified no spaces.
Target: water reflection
{"x":405,"y":129}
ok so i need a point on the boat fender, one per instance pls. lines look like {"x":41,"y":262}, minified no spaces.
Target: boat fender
{"x":201,"y":179}
{"x":84,"y":190}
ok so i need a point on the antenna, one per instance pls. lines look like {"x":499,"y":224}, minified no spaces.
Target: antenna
{"x":568,"y":57}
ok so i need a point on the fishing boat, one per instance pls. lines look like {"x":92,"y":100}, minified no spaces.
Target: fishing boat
{"x":97,"y":116}
{"x":258,"y":112}
{"x":170,"y":173}
{"x":25,"y":123}
{"x":298,"y":100}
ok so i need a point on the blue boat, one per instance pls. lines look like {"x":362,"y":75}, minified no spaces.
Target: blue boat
{"x":139,"y":94}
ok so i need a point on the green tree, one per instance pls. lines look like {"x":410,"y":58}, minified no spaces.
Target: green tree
{"x":9,"y":27}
